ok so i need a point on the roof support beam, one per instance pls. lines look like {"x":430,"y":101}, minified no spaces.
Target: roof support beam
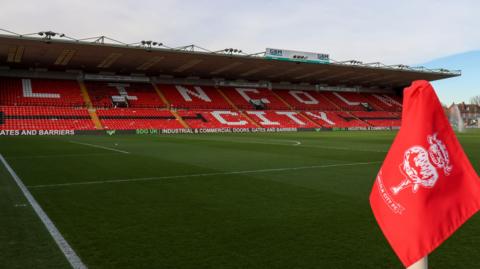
{"x":15,"y":54}
{"x":287,"y":71}
{"x":111,"y":58}
{"x":311,"y":74}
{"x":255,"y":70}
{"x":392,"y":82}
{"x":151,"y":62}
{"x":380,"y":78}
{"x":64,"y":57}
{"x":360,"y":77}
{"x":225,"y":68}
{"x":338,"y":75}
{"x":187,"y":65}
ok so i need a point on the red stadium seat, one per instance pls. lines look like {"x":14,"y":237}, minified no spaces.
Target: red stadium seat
{"x":131,"y":118}
{"x":215,"y":119}
{"x":306,"y":100}
{"x":350,"y":101}
{"x":335,"y":119}
{"x":279,"y":119}
{"x":40,"y":92}
{"x":137,"y":94}
{"x":386,"y":102}
{"x":44,"y":118}
{"x":194,"y":97}
{"x":379,"y":118}
{"x":241,"y":97}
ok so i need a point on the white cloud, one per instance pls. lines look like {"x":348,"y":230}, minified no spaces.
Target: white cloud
{"x":389,"y":31}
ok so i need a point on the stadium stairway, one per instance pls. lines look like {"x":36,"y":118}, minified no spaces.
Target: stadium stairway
{"x":299,"y":112}
{"x":357,"y":118}
{"x":333,"y":103}
{"x":161,"y":95}
{"x":91,"y":110}
{"x":167,"y":104}
{"x":180,"y":119}
{"x":282,"y":100}
{"x":236,"y":108}
{"x":308,"y":119}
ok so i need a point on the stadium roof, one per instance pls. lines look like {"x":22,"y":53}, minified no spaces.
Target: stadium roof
{"x":155,"y":59}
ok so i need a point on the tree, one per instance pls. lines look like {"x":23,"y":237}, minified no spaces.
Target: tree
{"x":475,"y":100}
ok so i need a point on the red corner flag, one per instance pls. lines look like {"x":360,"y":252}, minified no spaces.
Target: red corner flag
{"x":426,"y":188}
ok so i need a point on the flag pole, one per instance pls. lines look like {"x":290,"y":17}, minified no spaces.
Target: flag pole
{"x":420,"y":264}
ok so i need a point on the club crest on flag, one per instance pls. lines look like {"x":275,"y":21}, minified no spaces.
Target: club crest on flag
{"x":417,"y":165}
{"x":419,"y":169}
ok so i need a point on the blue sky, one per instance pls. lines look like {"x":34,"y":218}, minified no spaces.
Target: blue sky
{"x":393,"y":32}
{"x":460,"y":88}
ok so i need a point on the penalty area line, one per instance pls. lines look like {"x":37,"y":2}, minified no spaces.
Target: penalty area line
{"x":200,"y":175}
{"x":100,"y":147}
{"x":62,"y":243}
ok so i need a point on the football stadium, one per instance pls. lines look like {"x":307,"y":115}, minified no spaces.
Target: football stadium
{"x":141,"y":155}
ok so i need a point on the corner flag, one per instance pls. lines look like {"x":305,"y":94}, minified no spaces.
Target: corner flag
{"x":426,"y":188}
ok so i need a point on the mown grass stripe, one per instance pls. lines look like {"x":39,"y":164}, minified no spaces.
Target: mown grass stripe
{"x":200,"y":175}
{"x":62,"y":243}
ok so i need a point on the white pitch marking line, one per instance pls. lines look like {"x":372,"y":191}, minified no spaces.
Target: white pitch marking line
{"x":67,"y":250}
{"x":199,"y":175}
{"x":247,"y":141}
{"x":291,"y":142}
{"x":296,"y":143}
{"x":101,"y":147}
{"x":56,"y":156}
{"x":343,"y":148}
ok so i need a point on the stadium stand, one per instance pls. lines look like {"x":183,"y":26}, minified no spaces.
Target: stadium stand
{"x":193,"y":97}
{"x":135,"y":94}
{"x":129,"y":118}
{"x":351,"y":101}
{"x":33,"y":104}
{"x":306,"y":100}
{"x":40,"y":92}
{"x":44,"y":118}
{"x":280,"y":119}
{"x":386,"y":102}
{"x":215,"y":119}
{"x":242,"y":98}
{"x":335,"y":119}
{"x":48,"y":81}
{"x":379,"y":118}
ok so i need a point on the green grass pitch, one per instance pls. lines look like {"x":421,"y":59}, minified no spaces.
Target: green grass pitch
{"x":270,"y":200}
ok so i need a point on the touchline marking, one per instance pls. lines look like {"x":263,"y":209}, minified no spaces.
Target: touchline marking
{"x":67,"y":250}
{"x":198,"y":175}
{"x":101,"y":147}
